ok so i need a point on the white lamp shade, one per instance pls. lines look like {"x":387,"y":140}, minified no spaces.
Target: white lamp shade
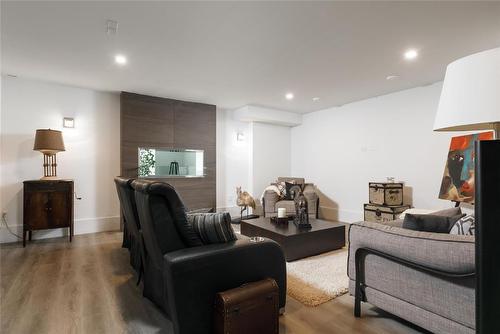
{"x":470,"y":99}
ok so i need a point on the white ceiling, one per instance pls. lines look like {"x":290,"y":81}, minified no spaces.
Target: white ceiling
{"x":237,"y":53}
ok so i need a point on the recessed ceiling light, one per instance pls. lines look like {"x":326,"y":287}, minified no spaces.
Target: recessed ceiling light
{"x":411,"y":54}
{"x":120,"y":59}
{"x":391,"y":77}
{"x":289,"y":96}
{"x":315,"y":99}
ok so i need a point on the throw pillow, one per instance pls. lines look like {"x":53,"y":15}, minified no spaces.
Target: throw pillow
{"x":292,"y":189}
{"x":451,"y":212}
{"x":213,"y":228}
{"x":430,"y":223}
{"x":282,"y":188}
{"x":464,"y":226}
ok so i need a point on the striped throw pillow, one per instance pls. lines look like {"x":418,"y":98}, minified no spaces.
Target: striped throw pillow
{"x":213,"y":228}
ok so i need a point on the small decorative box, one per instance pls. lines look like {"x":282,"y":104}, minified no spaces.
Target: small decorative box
{"x":380,"y":213}
{"x":383,"y":193}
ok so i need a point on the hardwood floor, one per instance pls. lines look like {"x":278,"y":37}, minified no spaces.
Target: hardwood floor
{"x":88,"y":286}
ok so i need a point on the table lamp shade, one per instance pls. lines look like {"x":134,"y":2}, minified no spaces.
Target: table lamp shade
{"x":470,"y":98}
{"x":48,"y":141}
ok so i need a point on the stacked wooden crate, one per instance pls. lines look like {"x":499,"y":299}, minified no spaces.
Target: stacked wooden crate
{"x":386,"y":201}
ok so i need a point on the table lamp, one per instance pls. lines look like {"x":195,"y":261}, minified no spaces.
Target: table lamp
{"x":470,"y":99}
{"x":49,"y":142}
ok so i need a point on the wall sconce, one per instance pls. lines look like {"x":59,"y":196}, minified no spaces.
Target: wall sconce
{"x":240,"y":136}
{"x":68,"y":122}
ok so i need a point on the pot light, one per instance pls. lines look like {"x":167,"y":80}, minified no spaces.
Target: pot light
{"x":411,"y":54}
{"x":120,"y":59}
{"x":391,"y":77}
{"x":315,"y":99}
{"x":289,"y":96}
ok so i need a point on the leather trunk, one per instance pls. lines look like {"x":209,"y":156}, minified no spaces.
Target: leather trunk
{"x":249,"y":309}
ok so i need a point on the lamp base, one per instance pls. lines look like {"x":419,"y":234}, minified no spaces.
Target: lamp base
{"x":48,"y":178}
{"x":496,"y":130}
{"x":49,"y":167}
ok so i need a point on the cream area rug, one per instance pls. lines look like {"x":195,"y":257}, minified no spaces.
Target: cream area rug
{"x":318,"y":279}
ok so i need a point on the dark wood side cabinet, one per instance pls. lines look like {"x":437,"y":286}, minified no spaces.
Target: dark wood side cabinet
{"x":47,"y":204}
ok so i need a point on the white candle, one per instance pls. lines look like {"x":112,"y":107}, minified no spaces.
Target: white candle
{"x":281,"y":212}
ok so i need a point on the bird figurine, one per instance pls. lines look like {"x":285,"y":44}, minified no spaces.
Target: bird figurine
{"x":244,"y":200}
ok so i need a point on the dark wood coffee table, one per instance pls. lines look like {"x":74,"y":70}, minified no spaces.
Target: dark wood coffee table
{"x":297,"y":243}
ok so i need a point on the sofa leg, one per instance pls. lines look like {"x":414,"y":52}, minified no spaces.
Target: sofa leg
{"x":358,"y":292}
{"x":357,"y":302}
{"x":317,"y":208}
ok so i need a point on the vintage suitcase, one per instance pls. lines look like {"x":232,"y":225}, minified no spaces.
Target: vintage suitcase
{"x":386,"y":193}
{"x":379,"y":213}
{"x":251,"y":308}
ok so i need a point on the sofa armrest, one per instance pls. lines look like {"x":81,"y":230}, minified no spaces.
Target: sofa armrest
{"x":393,"y":223}
{"x":269,"y":201}
{"x":438,"y":251}
{"x":312,"y":201}
{"x":194,"y":276}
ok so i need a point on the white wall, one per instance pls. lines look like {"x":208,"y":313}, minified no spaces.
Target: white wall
{"x":92,"y":152}
{"x":342,"y":149}
{"x":252,"y":163}
{"x":91,"y":157}
{"x":271,"y":155}
{"x":233,"y":159}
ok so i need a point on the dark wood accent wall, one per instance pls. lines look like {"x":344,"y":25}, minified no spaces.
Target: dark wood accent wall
{"x":148,"y":121}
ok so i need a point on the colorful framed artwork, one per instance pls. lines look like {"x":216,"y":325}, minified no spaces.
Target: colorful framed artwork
{"x":458,"y":179}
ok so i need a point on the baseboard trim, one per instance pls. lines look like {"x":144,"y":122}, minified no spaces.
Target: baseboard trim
{"x":82,"y":226}
{"x":235,"y":210}
{"x":346,"y":216}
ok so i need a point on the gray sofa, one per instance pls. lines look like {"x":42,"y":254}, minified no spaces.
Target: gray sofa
{"x":271,"y":200}
{"x":425,"y":278}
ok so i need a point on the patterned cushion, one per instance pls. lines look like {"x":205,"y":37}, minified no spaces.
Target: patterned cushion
{"x":212,"y":228}
{"x":282,"y":188}
{"x":464,"y":226}
{"x":292,"y":190}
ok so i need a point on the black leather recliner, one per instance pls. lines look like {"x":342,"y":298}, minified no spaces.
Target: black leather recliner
{"x":132,"y":238}
{"x":182,"y":276}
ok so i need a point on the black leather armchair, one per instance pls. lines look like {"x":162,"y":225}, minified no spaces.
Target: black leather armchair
{"x":132,"y":238}
{"x":182,"y":276}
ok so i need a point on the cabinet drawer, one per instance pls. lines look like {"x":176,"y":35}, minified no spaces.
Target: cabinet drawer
{"x":47,"y":186}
